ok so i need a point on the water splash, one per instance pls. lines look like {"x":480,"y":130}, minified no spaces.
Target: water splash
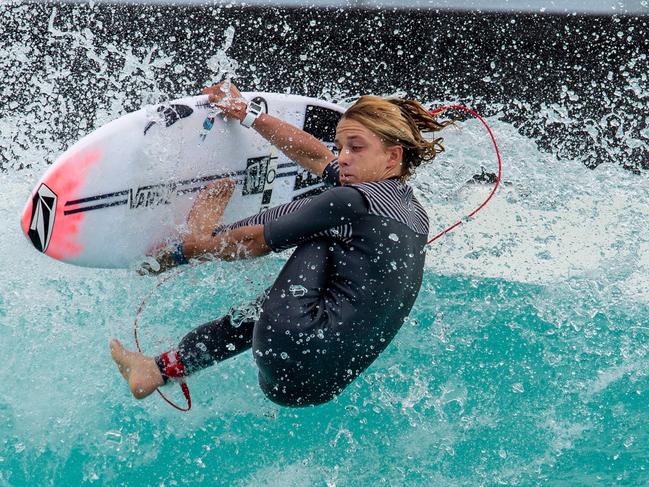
{"x":528,"y":339}
{"x":222,"y":66}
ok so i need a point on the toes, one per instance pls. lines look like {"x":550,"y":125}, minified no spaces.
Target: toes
{"x":116,"y":350}
{"x":118,"y":353}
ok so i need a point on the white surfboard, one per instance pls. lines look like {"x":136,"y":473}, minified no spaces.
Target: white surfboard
{"x":126,"y":187}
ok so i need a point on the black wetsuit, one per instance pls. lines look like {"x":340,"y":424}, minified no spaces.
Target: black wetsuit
{"x":338,"y":301}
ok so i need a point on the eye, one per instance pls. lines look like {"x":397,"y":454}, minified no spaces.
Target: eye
{"x":357,"y":148}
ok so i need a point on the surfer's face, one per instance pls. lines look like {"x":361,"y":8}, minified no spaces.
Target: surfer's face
{"x":362,"y":156}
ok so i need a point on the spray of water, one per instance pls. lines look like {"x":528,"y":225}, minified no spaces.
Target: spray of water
{"x":523,"y":361}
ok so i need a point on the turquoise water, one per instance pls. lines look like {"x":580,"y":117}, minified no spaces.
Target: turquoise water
{"x":489,"y":382}
{"x":524,"y":361}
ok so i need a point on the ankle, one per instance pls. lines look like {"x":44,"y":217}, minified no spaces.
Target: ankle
{"x":170,"y":365}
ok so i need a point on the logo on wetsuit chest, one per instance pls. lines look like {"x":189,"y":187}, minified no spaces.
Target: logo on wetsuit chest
{"x":297,"y":290}
{"x":148,"y":196}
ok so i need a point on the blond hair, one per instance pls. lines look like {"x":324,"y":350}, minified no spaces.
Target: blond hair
{"x":400,"y":122}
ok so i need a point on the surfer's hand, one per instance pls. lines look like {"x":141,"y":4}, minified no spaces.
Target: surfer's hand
{"x":228,"y":98}
{"x":162,"y":261}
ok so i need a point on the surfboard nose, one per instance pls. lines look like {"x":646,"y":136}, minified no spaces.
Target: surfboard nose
{"x":38,"y":217}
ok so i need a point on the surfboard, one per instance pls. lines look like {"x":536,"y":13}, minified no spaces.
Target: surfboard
{"x":129,"y":185}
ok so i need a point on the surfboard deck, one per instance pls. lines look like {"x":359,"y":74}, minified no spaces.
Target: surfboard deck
{"x":128,"y":186}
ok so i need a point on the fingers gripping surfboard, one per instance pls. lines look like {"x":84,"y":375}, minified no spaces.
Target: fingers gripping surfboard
{"x":128,"y":186}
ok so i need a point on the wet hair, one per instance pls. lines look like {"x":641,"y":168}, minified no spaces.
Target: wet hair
{"x":400,"y":122}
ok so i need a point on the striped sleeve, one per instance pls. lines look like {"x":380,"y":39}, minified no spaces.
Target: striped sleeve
{"x":393,"y":199}
{"x":331,"y":174}
{"x":328,"y":214}
{"x":264,"y":217}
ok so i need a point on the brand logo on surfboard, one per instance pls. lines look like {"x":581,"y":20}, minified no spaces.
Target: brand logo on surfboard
{"x":148,"y":196}
{"x":170,"y":115}
{"x":260,"y":173}
{"x":42,"y":221}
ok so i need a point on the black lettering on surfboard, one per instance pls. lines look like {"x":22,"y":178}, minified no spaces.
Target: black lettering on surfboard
{"x":149,"y":196}
{"x":305,"y":179}
{"x":145,"y":195}
{"x":260,"y":175}
{"x":42,"y":220}
{"x":171,"y":114}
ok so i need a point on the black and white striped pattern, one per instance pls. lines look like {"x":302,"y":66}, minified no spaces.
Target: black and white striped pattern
{"x":343,"y":232}
{"x":264,"y":216}
{"x":390,"y":198}
{"x":394,"y":199}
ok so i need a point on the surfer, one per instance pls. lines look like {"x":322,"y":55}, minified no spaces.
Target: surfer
{"x":354,"y":274}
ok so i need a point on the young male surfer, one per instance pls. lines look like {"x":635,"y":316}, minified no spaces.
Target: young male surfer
{"x":354,"y":274}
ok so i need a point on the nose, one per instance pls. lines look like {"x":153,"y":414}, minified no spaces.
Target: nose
{"x":343,"y":157}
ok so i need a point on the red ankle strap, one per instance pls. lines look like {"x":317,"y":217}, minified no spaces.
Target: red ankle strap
{"x":173,"y":368}
{"x":173,"y":365}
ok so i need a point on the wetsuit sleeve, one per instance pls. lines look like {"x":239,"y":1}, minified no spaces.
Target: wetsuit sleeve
{"x":333,"y":208}
{"x":263,"y":217}
{"x":331,"y":174}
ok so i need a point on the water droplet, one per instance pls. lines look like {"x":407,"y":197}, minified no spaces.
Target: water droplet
{"x":352,"y":410}
{"x":394,"y":237}
{"x":113,"y":436}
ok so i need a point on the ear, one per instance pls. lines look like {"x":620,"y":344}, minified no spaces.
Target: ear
{"x":395,"y":156}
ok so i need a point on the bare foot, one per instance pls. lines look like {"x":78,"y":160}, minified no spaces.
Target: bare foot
{"x":141,"y":372}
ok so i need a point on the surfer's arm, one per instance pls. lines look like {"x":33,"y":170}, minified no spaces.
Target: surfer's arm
{"x":275,"y":229}
{"x":240,"y":243}
{"x":231,"y":244}
{"x":292,"y":223}
{"x":298,"y":145}
{"x":329,"y":213}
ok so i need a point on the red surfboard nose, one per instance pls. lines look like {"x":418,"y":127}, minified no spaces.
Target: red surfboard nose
{"x":43,"y":220}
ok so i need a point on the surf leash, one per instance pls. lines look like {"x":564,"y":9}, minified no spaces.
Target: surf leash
{"x":500,"y":166}
{"x":183,"y":384}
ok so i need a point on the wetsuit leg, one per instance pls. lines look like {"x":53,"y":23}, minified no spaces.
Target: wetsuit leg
{"x":217,"y":340}
{"x":289,"y":340}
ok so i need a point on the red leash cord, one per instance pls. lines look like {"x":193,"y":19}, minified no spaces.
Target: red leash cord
{"x":500,"y":166}
{"x":183,"y":384}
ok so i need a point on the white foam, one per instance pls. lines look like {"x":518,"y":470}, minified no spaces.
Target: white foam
{"x":549,"y":221}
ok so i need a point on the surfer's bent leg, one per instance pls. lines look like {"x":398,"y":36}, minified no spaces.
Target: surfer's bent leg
{"x":292,"y":342}
{"x":212,"y":342}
